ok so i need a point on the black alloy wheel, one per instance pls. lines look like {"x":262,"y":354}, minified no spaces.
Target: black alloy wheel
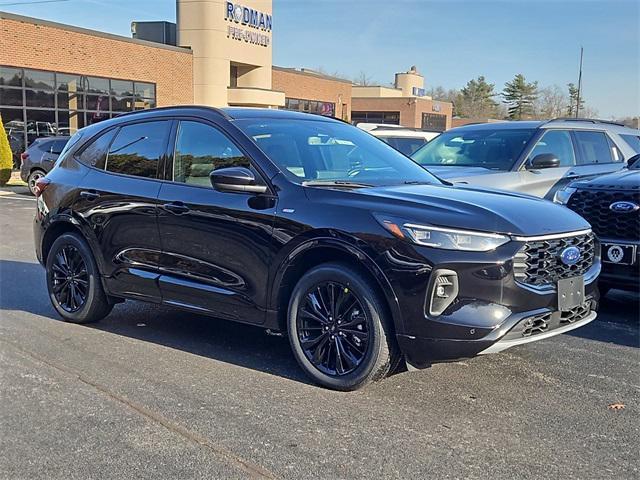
{"x":333,"y":328}
{"x":339,"y":328}
{"x":73,"y":281}
{"x":70,"y":279}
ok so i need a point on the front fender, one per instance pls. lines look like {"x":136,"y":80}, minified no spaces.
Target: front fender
{"x":343,"y":245}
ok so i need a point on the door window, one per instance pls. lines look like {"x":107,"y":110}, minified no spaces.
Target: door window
{"x":633,"y":141}
{"x":558,"y":143}
{"x":594,"y":147}
{"x":200,"y":149}
{"x":137,"y":149}
{"x":95,"y":154}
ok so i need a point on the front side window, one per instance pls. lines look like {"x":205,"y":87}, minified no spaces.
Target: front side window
{"x":137,"y":149}
{"x":594,"y":147}
{"x":200,"y":149}
{"x":493,"y":149}
{"x":320,"y":151}
{"x":557,"y":143}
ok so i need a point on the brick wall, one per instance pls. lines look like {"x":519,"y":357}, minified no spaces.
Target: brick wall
{"x":307,"y":86}
{"x":48,"y":46}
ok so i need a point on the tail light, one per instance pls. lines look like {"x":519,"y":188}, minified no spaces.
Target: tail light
{"x":41,"y":186}
{"x":24,"y":156}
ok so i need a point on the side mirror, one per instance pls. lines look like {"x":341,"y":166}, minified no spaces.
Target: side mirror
{"x":235,"y":179}
{"x":544,"y":160}
{"x":633,"y":160}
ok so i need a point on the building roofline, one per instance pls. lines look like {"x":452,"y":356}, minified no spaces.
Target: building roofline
{"x":94,"y":33}
{"x":310,"y":73}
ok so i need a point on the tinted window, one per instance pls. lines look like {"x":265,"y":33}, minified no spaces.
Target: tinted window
{"x":495,"y":149}
{"x":558,"y":143}
{"x":96,"y":153}
{"x":321,"y":150}
{"x":594,"y":147}
{"x":200,"y":149}
{"x":406,"y":145}
{"x":137,"y":149}
{"x":57,"y":146}
{"x":633,"y":141}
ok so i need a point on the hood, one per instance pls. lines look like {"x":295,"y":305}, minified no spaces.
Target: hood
{"x":453,"y":173}
{"x":458,"y":206}
{"x":625,"y":179}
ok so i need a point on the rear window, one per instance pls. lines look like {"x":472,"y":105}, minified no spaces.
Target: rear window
{"x":633,"y":141}
{"x":406,"y":145}
{"x":137,"y":149}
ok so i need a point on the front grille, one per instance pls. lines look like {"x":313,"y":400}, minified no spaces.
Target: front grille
{"x":593,"y":205}
{"x":537,"y":324}
{"x":538,"y":262}
{"x":576,"y":313}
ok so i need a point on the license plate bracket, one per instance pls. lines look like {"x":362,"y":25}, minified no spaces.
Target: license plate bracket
{"x":570,"y":293}
{"x":618,"y":254}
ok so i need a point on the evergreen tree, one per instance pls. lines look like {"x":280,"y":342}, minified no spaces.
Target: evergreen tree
{"x":520,"y":97}
{"x":476,"y":99}
{"x":573,"y":101}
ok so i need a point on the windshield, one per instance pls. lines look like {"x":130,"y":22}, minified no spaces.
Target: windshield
{"x":310,"y":151}
{"x":492,"y":149}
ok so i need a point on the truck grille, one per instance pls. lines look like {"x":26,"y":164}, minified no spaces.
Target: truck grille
{"x":538,"y":262}
{"x":593,"y":205}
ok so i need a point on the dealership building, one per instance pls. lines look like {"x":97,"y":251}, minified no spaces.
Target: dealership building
{"x":55,"y":79}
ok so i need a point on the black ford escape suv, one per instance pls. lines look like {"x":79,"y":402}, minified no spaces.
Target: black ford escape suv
{"x":308,"y":226}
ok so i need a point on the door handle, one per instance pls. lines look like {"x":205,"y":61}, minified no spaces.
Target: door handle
{"x":89,"y":195}
{"x":177,"y":208}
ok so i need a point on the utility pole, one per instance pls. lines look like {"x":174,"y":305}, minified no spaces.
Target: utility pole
{"x":579,"y":83}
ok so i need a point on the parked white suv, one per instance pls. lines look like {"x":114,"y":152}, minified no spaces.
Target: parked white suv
{"x":406,"y":140}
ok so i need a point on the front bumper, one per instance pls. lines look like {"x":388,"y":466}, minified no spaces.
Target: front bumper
{"x":491,"y":309}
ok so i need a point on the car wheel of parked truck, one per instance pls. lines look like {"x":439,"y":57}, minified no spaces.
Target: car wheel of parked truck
{"x":73,"y":281}
{"x":338,"y":328}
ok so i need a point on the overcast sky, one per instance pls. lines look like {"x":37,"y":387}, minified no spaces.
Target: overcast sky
{"x":450,"y":41}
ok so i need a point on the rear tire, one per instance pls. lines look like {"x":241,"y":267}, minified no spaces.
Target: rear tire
{"x":33,"y":179}
{"x":73,"y":281}
{"x":339,"y":330}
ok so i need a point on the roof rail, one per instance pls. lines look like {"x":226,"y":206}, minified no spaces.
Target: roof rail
{"x":220,"y":112}
{"x":591,"y":120}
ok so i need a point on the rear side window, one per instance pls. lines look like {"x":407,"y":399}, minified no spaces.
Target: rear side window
{"x":594,"y":146}
{"x":137,"y":149}
{"x":95,"y":154}
{"x":406,"y":145}
{"x":633,"y":141}
{"x":200,"y":149}
{"x":57,"y":146}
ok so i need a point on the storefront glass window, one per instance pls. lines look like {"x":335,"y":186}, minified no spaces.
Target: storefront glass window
{"x":60,"y":103}
{"x":310,"y":106}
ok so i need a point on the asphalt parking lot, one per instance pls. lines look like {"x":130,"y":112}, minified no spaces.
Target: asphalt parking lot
{"x":151,"y":392}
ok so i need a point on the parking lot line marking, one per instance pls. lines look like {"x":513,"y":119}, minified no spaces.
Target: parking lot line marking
{"x":13,"y":196}
{"x":251,"y":469}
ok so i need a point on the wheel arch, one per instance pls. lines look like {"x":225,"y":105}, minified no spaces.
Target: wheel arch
{"x":324,"y":250}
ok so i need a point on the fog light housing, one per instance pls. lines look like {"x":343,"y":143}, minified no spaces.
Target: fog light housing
{"x":442,"y":291}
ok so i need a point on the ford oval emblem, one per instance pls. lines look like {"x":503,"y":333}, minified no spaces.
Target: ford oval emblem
{"x":570,"y":255}
{"x":624,"y":207}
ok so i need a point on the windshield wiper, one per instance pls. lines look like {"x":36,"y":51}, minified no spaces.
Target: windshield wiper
{"x":417,"y":182}
{"x":335,"y":183}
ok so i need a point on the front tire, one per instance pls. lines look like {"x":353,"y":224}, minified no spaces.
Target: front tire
{"x":73,"y":281}
{"x":339,"y":330}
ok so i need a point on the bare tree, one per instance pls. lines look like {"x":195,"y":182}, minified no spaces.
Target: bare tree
{"x":363,"y":79}
{"x":551,"y":102}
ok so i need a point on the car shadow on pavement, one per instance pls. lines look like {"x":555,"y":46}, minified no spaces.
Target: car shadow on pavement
{"x":23,"y":288}
{"x":618,"y":320}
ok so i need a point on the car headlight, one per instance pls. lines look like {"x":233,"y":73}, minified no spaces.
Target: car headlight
{"x":563,"y":195}
{"x":445,"y":238}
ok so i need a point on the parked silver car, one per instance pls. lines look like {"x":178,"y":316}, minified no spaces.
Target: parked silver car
{"x":534,"y":157}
